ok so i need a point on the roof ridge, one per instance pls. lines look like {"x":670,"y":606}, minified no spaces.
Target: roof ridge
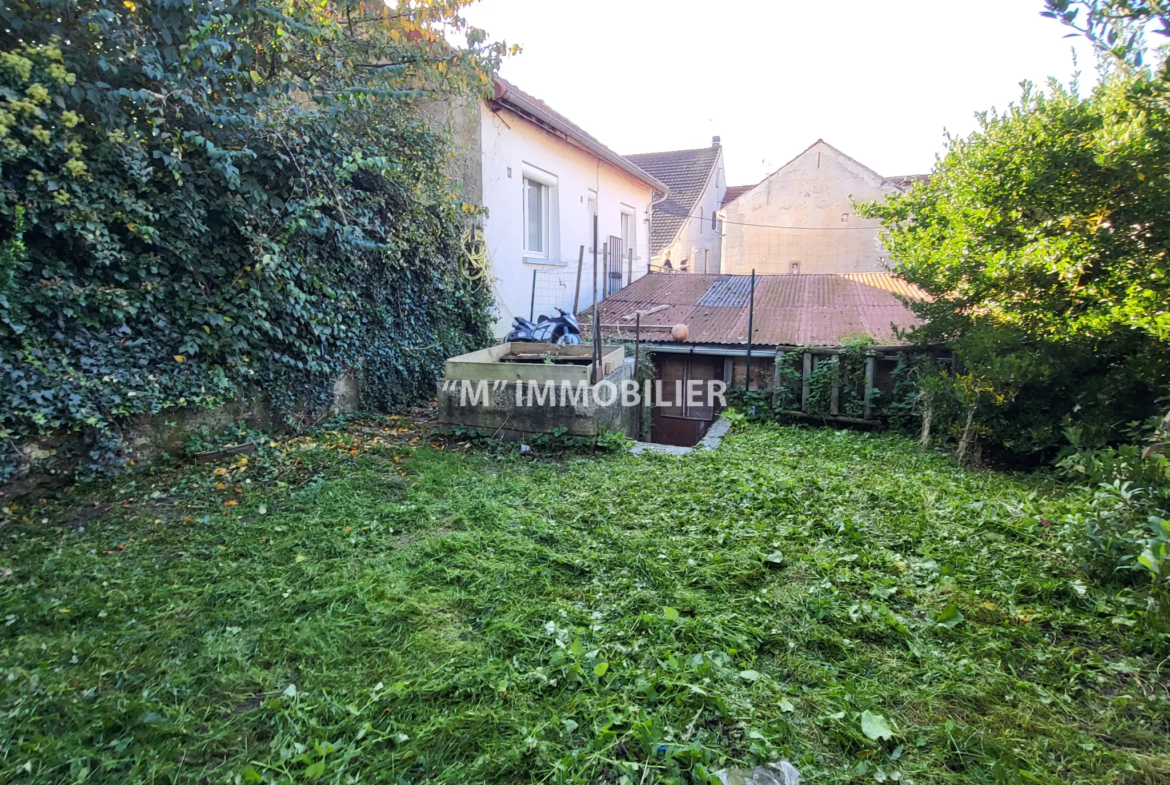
{"x":504,"y":90}
{"x":708,"y":148}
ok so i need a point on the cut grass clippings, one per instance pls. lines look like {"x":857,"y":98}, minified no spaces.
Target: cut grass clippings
{"x":359,"y":608}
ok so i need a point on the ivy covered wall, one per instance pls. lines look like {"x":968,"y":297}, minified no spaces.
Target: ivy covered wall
{"x":207,"y":201}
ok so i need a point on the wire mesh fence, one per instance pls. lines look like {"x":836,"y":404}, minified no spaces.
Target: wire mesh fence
{"x":578,"y":284}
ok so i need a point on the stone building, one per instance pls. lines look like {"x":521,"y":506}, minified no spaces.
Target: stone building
{"x":801,"y":219}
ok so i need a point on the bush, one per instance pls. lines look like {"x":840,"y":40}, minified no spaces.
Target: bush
{"x":1041,"y":241}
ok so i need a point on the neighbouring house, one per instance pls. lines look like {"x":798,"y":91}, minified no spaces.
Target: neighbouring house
{"x":800,"y":219}
{"x":541,"y":179}
{"x":684,"y":227}
{"x":798,"y":324}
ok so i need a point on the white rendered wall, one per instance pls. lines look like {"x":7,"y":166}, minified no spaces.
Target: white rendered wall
{"x":511,"y":142}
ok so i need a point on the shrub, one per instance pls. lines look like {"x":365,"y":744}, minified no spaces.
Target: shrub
{"x":1041,"y":241}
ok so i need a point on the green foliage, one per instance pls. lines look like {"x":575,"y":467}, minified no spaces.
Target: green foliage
{"x":1118,"y":28}
{"x":201,"y":200}
{"x":1041,"y":240}
{"x":374,"y":609}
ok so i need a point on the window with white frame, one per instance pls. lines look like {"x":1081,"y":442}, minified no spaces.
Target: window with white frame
{"x":629,"y":233}
{"x":536,"y":218}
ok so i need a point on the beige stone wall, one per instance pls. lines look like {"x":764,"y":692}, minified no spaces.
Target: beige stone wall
{"x":458,"y":118}
{"x":812,"y":194}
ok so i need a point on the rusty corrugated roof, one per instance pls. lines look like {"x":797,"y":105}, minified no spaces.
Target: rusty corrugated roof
{"x":790,"y":310}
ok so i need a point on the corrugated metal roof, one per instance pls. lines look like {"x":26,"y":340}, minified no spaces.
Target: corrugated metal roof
{"x":728,"y":290}
{"x":889,"y":282}
{"x":790,"y":310}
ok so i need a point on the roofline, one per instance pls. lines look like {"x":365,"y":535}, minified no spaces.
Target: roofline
{"x":690,"y":216}
{"x":882,"y":177}
{"x":510,"y":97}
{"x":746,"y":190}
{"x":672,"y":152}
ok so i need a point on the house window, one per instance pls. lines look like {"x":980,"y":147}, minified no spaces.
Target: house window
{"x":714,"y":218}
{"x":700,"y":220}
{"x":535,"y":218}
{"x":629,"y":240}
{"x":796,"y":268}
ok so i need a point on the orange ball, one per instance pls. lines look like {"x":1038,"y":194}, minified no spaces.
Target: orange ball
{"x":680,"y":332}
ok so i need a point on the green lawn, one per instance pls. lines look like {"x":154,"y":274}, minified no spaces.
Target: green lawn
{"x":620,"y":618}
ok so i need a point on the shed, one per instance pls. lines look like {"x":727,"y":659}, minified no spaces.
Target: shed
{"x":798,"y":323}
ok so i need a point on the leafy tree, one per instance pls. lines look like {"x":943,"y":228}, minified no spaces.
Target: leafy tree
{"x":203,"y":199}
{"x":1117,"y":27}
{"x":1042,"y":240}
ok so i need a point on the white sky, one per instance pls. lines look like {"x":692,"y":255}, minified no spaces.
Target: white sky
{"x":878,"y":80}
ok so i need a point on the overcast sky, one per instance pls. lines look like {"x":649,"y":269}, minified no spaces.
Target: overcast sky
{"x":878,"y":80}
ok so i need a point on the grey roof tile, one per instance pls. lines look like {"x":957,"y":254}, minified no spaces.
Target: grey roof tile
{"x":686,"y":172}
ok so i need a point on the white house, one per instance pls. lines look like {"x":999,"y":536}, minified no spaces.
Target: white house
{"x":684,"y":228}
{"x":541,"y":179}
{"x":800,"y":218}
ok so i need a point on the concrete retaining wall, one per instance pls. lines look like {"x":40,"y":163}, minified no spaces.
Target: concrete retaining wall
{"x":505,"y":418}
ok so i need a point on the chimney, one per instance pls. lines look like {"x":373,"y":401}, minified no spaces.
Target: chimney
{"x":714,"y":141}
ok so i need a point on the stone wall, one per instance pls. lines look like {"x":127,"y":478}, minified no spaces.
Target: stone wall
{"x":55,"y":459}
{"x":504,"y":418}
{"x":813,"y":194}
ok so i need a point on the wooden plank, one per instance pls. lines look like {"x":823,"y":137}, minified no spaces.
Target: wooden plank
{"x":806,"y":388}
{"x":485,"y":364}
{"x":829,"y":418}
{"x":870,"y":375}
{"x":247,"y":448}
{"x":646,"y":312}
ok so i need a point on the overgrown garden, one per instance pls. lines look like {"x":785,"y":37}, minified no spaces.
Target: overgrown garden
{"x":373,"y":605}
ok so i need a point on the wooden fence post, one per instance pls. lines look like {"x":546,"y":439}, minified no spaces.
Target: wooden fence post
{"x":776,"y":377}
{"x":870,"y":377}
{"x":806,"y":388}
{"x":580,"y":267}
{"x":835,"y":394}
